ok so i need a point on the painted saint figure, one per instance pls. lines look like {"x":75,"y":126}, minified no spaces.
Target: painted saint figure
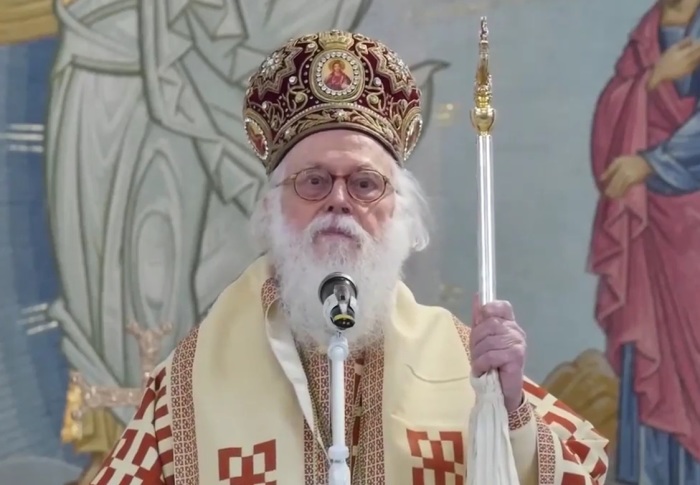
{"x":645,"y":246}
{"x":337,"y":80}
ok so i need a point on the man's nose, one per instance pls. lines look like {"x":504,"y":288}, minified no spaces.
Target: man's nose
{"x":338,"y":201}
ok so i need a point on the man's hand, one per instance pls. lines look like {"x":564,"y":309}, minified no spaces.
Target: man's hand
{"x":623,"y":173}
{"x":498,"y":343}
{"x":678,"y":61}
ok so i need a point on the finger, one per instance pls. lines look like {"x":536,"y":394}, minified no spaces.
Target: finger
{"x":688,"y":44}
{"x":622,"y":189}
{"x":688,"y":50}
{"x":613,"y":188}
{"x":496,"y":328}
{"x":497,"y":342}
{"x":689,"y":57}
{"x":613,"y":192}
{"x":615,"y":182}
{"x":488,"y":328}
{"x":610,"y":171}
{"x":607,"y":191}
{"x":513,"y":326}
{"x":610,"y":192}
{"x":695,"y":54}
{"x":625,"y":183}
{"x":498,"y":309}
{"x":491,"y":360}
{"x":684,"y":43}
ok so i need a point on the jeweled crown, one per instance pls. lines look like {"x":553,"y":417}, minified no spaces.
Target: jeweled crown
{"x":335,"y":39}
{"x":331,"y":80}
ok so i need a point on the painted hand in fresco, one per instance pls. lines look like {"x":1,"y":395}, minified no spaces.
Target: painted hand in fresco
{"x":498,"y":343}
{"x":676,"y":62}
{"x":623,"y":173}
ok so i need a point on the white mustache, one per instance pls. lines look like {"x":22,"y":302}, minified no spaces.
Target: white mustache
{"x":345,"y":224}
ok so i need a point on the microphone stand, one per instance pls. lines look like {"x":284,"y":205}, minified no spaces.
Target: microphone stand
{"x":338,"y":453}
{"x":338,"y":293}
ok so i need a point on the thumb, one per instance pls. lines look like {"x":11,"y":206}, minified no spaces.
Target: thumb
{"x":686,"y":42}
{"x":476,"y":309}
{"x":607,"y":174}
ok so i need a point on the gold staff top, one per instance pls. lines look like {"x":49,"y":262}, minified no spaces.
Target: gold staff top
{"x":483,"y":115}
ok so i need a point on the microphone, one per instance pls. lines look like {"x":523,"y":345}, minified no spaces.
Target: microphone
{"x":338,"y":294}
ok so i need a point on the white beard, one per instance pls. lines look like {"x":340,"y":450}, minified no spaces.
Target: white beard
{"x":375,"y":267}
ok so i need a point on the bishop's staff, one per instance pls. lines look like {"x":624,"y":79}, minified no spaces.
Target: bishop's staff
{"x":490,"y":453}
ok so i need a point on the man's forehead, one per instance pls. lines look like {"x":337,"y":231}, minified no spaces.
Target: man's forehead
{"x":341,"y":149}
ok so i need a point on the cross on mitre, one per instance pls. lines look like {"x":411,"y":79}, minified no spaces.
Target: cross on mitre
{"x":83,"y":397}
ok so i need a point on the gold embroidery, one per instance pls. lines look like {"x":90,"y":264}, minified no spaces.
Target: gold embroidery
{"x":332,"y":79}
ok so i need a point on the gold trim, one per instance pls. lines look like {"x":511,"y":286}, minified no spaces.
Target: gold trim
{"x":414,"y":122}
{"x":335,"y":39}
{"x":251,"y":118}
{"x":323,"y":92}
{"x":483,"y":115}
{"x":335,"y":116}
{"x":26,"y":20}
{"x":72,"y":429}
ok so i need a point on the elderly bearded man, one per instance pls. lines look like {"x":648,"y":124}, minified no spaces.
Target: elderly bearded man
{"x":245,"y":398}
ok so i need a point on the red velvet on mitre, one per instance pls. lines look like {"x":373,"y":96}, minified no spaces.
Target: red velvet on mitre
{"x":327,"y":81}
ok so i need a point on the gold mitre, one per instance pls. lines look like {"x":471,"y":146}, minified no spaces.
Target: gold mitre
{"x":331,"y":80}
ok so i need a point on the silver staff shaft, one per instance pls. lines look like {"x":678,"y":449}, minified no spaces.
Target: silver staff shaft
{"x":483,"y":117}
{"x":487,"y":250}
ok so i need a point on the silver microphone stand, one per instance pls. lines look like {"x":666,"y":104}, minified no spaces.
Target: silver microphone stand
{"x":338,"y":453}
{"x":340,"y":308}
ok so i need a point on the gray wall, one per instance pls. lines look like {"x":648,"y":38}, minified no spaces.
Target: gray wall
{"x":550,"y":59}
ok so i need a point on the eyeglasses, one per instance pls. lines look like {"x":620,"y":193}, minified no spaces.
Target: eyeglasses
{"x":314,"y":184}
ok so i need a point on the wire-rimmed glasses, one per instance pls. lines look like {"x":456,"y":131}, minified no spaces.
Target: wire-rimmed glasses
{"x":314,"y":184}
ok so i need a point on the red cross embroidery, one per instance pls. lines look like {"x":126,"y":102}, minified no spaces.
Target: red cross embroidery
{"x":439,"y":457}
{"x":258,"y":468}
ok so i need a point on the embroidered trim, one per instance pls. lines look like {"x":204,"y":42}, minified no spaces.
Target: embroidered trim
{"x":546,"y":453}
{"x":185,"y":456}
{"x":464,"y":331}
{"x":269,"y":294}
{"x":520,"y":417}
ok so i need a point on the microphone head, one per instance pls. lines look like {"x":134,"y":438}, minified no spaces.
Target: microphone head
{"x":338,"y":294}
{"x":327,"y":286}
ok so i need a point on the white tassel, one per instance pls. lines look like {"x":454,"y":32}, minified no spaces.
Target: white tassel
{"x":490,"y":460}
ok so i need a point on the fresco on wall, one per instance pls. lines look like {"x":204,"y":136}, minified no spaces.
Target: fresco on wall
{"x":645,"y":246}
{"x":141,"y":185}
{"x":126,"y":185}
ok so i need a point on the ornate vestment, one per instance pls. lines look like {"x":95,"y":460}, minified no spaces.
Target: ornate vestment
{"x":237,"y":403}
